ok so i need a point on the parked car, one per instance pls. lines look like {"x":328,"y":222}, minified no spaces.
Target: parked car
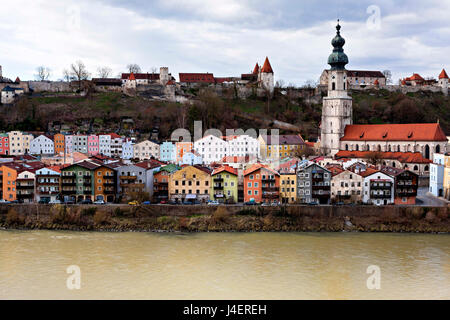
{"x":250,"y":203}
{"x":275,"y":204}
{"x":312,"y":203}
{"x":54,"y":202}
{"x":133,"y":203}
{"x":173,"y":202}
{"x":163,"y":202}
{"x":146,"y":203}
{"x":187,"y":203}
{"x":86,"y":201}
{"x":99,"y":202}
{"x":44,"y":201}
{"x":265,"y":204}
{"x":213,"y":203}
{"x":4,"y":201}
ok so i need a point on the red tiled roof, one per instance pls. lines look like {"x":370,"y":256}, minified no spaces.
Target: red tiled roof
{"x":334,"y":169}
{"x":197,"y":77}
{"x":376,"y":82}
{"x":170,"y":83}
{"x":132,"y":77}
{"x":394,"y":132}
{"x":226,"y":169}
{"x":443,"y":75}
{"x":114,"y":135}
{"x":17,"y":80}
{"x":141,"y":76}
{"x":259,"y":166}
{"x":403,"y":157}
{"x":367,"y":172}
{"x":415,"y":77}
{"x":267,"y":68}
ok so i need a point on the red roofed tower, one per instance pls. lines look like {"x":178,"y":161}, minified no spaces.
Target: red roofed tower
{"x":256,"y":70}
{"x":443,"y":81}
{"x":266,"y":78}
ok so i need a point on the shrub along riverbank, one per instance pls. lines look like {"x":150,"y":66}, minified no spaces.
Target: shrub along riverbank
{"x":226,"y":219}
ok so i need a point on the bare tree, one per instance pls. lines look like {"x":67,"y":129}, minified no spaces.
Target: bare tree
{"x":79,"y":72}
{"x":154,"y":70}
{"x":42,"y":73}
{"x":388,"y":76}
{"x":104,"y":72}
{"x":133,"y":67}
{"x":67,"y":76}
{"x":280,"y":84}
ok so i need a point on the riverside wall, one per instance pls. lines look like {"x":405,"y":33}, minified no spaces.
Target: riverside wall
{"x":227,"y":218}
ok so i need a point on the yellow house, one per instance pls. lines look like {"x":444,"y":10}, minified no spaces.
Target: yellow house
{"x":288,"y":188}
{"x":191,"y":183}
{"x":447,"y":178}
{"x":280,"y":146}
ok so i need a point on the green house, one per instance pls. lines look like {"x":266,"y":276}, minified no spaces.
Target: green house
{"x":77,"y":181}
{"x":225,"y":185}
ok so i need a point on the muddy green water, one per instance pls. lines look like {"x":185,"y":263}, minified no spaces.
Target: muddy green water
{"x":33,"y":265}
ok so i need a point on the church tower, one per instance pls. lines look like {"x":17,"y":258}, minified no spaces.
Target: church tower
{"x":337,"y":111}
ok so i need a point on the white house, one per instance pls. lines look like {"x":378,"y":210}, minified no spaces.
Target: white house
{"x":42,"y":145}
{"x":211,"y":149}
{"x":242,"y":145}
{"x":145,"y":150}
{"x":19,"y":142}
{"x":9,"y":94}
{"x":127,"y":149}
{"x":105,"y":144}
{"x":437,"y":175}
{"x":116,"y":145}
{"x":378,"y":189}
{"x":47,"y":184}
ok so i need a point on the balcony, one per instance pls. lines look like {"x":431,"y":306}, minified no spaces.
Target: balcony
{"x":271,"y":189}
{"x":24,"y":186}
{"x":268,"y":180}
{"x":380,"y":196}
{"x":108,"y":177}
{"x":127,"y":177}
{"x":87,"y":192}
{"x":218,"y":180}
{"x":218,"y":187}
{"x":109,"y":184}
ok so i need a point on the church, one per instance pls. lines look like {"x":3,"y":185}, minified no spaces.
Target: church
{"x":341,"y":138}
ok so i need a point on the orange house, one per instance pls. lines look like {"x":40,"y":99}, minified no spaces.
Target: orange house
{"x":182,"y":149}
{"x":8,"y":178}
{"x":261,"y":184}
{"x":60,"y":143}
{"x":104,"y":183}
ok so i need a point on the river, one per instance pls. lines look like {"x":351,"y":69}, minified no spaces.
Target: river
{"x":33,"y":265}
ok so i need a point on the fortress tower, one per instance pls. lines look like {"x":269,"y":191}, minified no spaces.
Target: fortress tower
{"x":337,"y":110}
{"x":265,"y":76}
{"x":443,"y":82}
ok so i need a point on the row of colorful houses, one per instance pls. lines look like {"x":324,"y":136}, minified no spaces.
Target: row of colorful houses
{"x":207,"y":150}
{"x":295,"y":181}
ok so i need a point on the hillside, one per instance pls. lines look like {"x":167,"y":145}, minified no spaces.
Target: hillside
{"x":102,"y":112}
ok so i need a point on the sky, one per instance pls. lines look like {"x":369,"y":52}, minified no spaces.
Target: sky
{"x":225,"y":37}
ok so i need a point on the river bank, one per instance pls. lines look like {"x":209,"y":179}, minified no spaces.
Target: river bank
{"x":226,"y":219}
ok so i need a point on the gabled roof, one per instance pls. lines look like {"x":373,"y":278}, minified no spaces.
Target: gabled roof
{"x":415,"y":77}
{"x":403,"y":157}
{"x":443,"y":75}
{"x":256,"y":69}
{"x":394,"y":132}
{"x":131,"y":77}
{"x":225,"y":169}
{"x":285,"y":140}
{"x":85,"y":164}
{"x":150,"y":164}
{"x":170,"y":168}
{"x":267,"y":68}
{"x":369,"y":171}
{"x":365,"y":74}
{"x":335,"y":169}
{"x":259,"y":166}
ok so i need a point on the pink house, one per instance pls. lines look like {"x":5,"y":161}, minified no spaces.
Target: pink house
{"x":4,"y":144}
{"x":93,"y":145}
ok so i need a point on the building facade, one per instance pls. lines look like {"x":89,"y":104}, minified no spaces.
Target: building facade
{"x":42,"y":145}
{"x":288,"y":188}
{"x":225,"y":185}
{"x":47,"y":184}
{"x":191,"y":183}
{"x":168,"y":152}
{"x":261,"y":184}
{"x":19,"y":143}
{"x":346,"y":186}
{"x":146,"y":150}
{"x":314,"y":185}
{"x":437,"y":175}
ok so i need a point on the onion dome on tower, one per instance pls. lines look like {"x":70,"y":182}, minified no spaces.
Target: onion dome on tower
{"x":338,"y":59}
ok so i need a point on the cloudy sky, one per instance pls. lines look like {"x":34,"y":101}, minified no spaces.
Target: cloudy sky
{"x":225,"y":37}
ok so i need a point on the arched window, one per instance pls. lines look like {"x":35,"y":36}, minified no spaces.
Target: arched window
{"x":368,"y":148}
{"x":438,"y":149}
{"x":333,"y":86}
{"x":393,"y":164}
{"x":346,"y":147}
{"x":398,"y":148}
{"x":416,"y":168}
{"x":379,"y":148}
{"x":344,"y":85}
{"x":357,"y":147}
{"x":389,"y":148}
{"x":427,"y":151}
{"x":427,"y":168}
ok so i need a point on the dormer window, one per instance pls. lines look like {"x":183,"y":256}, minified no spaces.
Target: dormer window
{"x":385,"y":135}
{"x":410,"y":134}
{"x":361,"y":135}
